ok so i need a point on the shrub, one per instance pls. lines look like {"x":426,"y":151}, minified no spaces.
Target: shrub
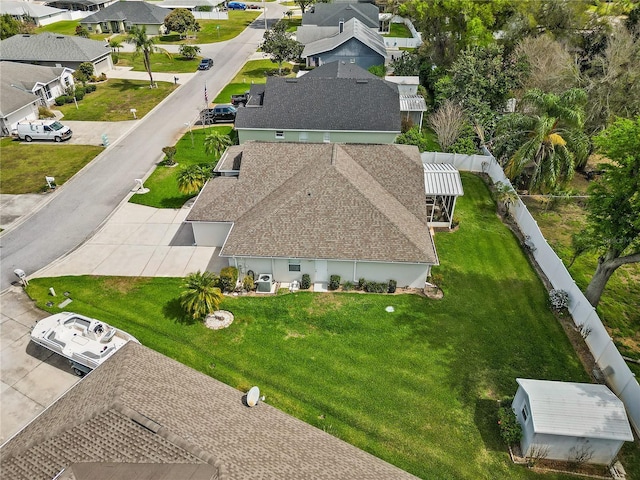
{"x":375,"y":287}
{"x":392,"y":286}
{"x":69,"y":99}
{"x":361,"y":283}
{"x":86,"y":69}
{"x":169,"y":152}
{"x":90,"y":88}
{"x":44,"y":112}
{"x":82,"y":31}
{"x":248,"y":284}
{"x":347,"y":286}
{"x":61,"y":100}
{"x":334,"y":282}
{"x":305,"y":284}
{"x":228,"y":279}
{"x":558,"y":300}
{"x":79,"y":93}
{"x":510,"y":429}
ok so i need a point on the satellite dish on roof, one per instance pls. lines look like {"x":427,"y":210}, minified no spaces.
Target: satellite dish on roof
{"x":253,"y":396}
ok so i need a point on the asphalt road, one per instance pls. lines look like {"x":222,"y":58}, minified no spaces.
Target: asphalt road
{"x":81,"y":205}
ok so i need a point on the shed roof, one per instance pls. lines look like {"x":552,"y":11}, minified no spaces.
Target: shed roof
{"x":326,"y":201}
{"x":353,"y":28}
{"x":442,"y":179}
{"x":576,"y":409}
{"x":53,"y":47}
{"x":142,"y":407}
{"x":137,"y":13}
{"x":412,"y":103}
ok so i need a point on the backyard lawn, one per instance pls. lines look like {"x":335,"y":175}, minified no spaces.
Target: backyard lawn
{"x":160,"y":62}
{"x":254,"y":71}
{"x":398,"y":30}
{"x":67,"y":27}
{"x":417,"y":387}
{"x":212,"y":31}
{"x":23,"y":166}
{"x":113,"y":99}
{"x":163,"y":184}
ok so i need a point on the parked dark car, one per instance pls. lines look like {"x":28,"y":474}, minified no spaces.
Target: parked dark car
{"x":240,"y":99}
{"x":219,"y":113}
{"x":205,"y":64}
{"x":236,"y":6}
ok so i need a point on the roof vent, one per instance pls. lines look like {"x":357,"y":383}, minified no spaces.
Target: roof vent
{"x":362,"y":80}
{"x":291,"y":80}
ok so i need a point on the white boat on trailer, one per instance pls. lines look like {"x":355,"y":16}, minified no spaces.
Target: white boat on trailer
{"x":85,"y":341}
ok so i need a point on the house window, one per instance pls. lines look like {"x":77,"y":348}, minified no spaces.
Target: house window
{"x":294,"y":265}
{"x":525,"y":413}
{"x":47,"y":92}
{"x":280,"y":135}
{"x":327,"y":137}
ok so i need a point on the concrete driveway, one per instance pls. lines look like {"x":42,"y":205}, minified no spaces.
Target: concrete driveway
{"x":31,"y":377}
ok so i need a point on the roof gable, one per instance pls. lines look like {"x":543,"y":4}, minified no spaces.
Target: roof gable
{"x":136,"y":13}
{"x":576,"y":409}
{"x":27,"y":76}
{"x":330,"y":14}
{"x":13,"y":99}
{"x":52,"y":47}
{"x":353,"y":29}
{"x":323,"y":201}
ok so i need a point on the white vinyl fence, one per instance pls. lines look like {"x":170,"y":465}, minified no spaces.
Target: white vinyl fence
{"x":211,"y":15}
{"x":615,"y":370}
{"x":397,"y":42}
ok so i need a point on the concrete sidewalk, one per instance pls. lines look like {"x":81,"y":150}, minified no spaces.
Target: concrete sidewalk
{"x":138,"y":241}
{"x":128,"y":74}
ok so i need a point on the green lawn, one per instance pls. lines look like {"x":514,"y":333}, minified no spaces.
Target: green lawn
{"x":112,"y":101}
{"x":417,"y":387}
{"x":162,"y":183}
{"x":212,"y":31}
{"x":160,"y":62}
{"x":67,"y":27}
{"x":398,"y":30}
{"x":23,"y":166}
{"x":254,"y":71}
{"x":293,"y":23}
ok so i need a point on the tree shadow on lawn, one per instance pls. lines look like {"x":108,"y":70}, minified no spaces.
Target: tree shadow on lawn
{"x":173,"y":311}
{"x":486,"y":419}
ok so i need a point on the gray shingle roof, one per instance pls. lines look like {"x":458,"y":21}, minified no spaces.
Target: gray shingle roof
{"x":12,"y":99}
{"x":52,"y":47}
{"x":343,"y":69}
{"x":330,"y":14}
{"x":136,"y":13}
{"x":142,"y":407}
{"x":312,"y":103}
{"x":327,"y":201}
{"x":26,"y":75}
{"x":34,"y":10}
{"x":353,"y":28}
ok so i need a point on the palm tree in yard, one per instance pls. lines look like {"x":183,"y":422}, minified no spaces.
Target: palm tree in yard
{"x":200,"y":296}
{"x":215,"y":143}
{"x":193,"y":178}
{"x":145,"y":45}
{"x":544,"y":143}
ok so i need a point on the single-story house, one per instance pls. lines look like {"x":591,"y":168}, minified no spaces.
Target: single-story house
{"x":412,"y":104}
{"x":81,"y":5}
{"x":321,"y":106}
{"x":56,"y":50}
{"x":354,"y":42}
{"x":570,"y":421}
{"x":46,"y":82}
{"x":143,"y":415}
{"x":40,"y":14}
{"x":16,"y":105}
{"x":121,"y":16}
{"x":287,"y":209}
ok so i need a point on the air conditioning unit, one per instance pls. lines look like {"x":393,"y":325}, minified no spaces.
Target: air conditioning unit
{"x":264,"y":283}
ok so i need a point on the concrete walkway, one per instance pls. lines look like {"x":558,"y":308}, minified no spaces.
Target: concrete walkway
{"x":129,"y":74}
{"x":138,"y":241}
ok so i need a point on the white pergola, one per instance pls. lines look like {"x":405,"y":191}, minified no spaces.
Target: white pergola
{"x":442,"y":185}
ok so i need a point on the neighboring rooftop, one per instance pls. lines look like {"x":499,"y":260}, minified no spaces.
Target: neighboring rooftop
{"x":52,"y":47}
{"x":353,"y":28}
{"x":13,"y":99}
{"x":319,"y":101}
{"x":330,"y":14}
{"x":576,"y":409}
{"x":135,"y":13}
{"x":324,"y":201}
{"x":26,"y":75}
{"x":22,"y":8}
{"x":141,"y":407}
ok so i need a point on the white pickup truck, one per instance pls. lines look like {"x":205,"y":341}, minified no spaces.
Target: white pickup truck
{"x":43,"y":130}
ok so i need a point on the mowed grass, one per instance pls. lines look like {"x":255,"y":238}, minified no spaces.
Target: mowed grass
{"x":160,"y":62}
{"x":254,"y":71}
{"x":163,"y":183}
{"x":398,"y":30}
{"x":213,"y":31}
{"x":113,"y":100}
{"x":23,"y":166}
{"x":68,"y":27}
{"x":619,"y":307}
{"x":417,"y":387}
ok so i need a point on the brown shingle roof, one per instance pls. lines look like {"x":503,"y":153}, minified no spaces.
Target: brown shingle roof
{"x":327,"y":201}
{"x":196,"y":419}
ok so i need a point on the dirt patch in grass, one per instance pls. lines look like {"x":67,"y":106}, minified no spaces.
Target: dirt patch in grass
{"x":124,"y":285}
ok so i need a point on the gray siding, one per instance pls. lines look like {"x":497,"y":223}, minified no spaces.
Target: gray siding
{"x":353,"y":49}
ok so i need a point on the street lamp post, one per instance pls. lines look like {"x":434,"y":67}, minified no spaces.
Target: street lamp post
{"x":264,"y":13}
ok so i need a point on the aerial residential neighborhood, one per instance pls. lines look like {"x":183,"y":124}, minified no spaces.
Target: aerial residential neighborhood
{"x":297,"y":239}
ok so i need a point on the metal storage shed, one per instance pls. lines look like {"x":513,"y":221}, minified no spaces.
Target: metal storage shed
{"x":442,"y":185}
{"x":567,"y":421}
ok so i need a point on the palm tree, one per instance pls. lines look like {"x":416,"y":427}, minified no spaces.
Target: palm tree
{"x":193,"y":178}
{"x":545,"y":142}
{"x":115,"y":45}
{"x":145,"y":45}
{"x":200,"y":297}
{"x":215,"y":143}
